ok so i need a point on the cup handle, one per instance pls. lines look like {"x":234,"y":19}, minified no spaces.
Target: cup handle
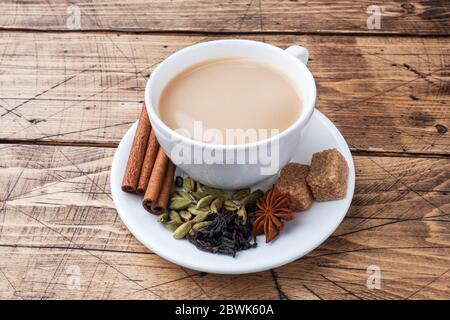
{"x":301,"y":53}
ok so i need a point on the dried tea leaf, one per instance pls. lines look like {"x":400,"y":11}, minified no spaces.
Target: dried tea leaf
{"x":225,"y":235}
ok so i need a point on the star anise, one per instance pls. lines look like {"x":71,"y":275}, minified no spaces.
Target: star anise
{"x":272,"y":209}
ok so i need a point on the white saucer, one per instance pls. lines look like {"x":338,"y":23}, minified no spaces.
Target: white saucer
{"x":305,"y":233}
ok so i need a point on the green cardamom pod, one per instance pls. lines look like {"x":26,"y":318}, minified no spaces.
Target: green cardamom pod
{"x":242,"y":213}
{"x":185,"y":215}
{"x":252,"y":197}
{"x":200,"y":225}
{"x":199,"y":194}
{"x":163,"y":217}
{"x":241,"y":194}
{"x":172,"y":225}
{"x":188,"y":184}
{"x":215,"y":192}
{"x":174,"y":221}
{"x":174,"y":217}
{"x":205,"y":201}
{"x":183,"y":230}
{"x":184,"y":194}
{"x":179,"y":203}
{"x":230,"y":205}
{"x":193,"y":209}
{"x":200,"y":217}
{"x":216,"y":205}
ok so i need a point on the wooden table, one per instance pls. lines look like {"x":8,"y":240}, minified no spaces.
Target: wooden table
{"x":69,"y":92}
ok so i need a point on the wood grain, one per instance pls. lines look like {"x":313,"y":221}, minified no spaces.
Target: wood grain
{"x":87,"y":88}
{"x":56,"y":215}
{"x":386,"y":89}
{"x":428,"y":17}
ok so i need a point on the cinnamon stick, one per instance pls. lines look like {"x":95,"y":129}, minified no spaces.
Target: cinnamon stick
{"x":137,"y":153}
{"x":164,"y":195}
{"x":149,"y":161}
{"x":156,"y":180}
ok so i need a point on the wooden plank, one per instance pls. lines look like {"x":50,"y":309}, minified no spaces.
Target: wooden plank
{"x":56,"y":214}
{"x":316,"y":16}
{"x":32,"y":273}
{"x":88,"y":88}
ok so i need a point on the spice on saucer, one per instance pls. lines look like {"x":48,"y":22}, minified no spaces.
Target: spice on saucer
{"x":136,"y":158}
{"x":272,"y":210}
{"x":212,"y":219}
{"x":149,"y":171}
{"x":149,"y":161}
{"x":218,"y":221}
{"x":157,"y":195}
{"x":224,"y":234}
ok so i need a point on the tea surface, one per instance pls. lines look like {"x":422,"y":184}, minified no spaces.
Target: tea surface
{"x":230,"y":93}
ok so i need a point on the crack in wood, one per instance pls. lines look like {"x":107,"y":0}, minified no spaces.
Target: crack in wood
{"x":411,"y":189}
{"x":9,"y":281}
{"x":223,"y":32}
{"x":92,"y":254}
{"x":312,"y":292}
{"x":356,"y":152}
{"x":374,"y":249}
{"x":427,"y":285}
{"x":45,"y":91}
{"x":281,"y":294}
{"x":78,"y":248}
{"x":83,"y":130}
{"x":342,"y":287}
{"x":195,"y":282}
{"x":86,"y":175}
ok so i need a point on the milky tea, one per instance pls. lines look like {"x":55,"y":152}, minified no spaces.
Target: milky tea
{"x":230,"y":96}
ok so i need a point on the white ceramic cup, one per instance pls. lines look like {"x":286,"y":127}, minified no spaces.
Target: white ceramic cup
{"x":228,"y":174}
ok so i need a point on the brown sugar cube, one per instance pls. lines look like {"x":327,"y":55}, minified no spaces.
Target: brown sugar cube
{"x":328,"y":174}
{"x":292,"y":182}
